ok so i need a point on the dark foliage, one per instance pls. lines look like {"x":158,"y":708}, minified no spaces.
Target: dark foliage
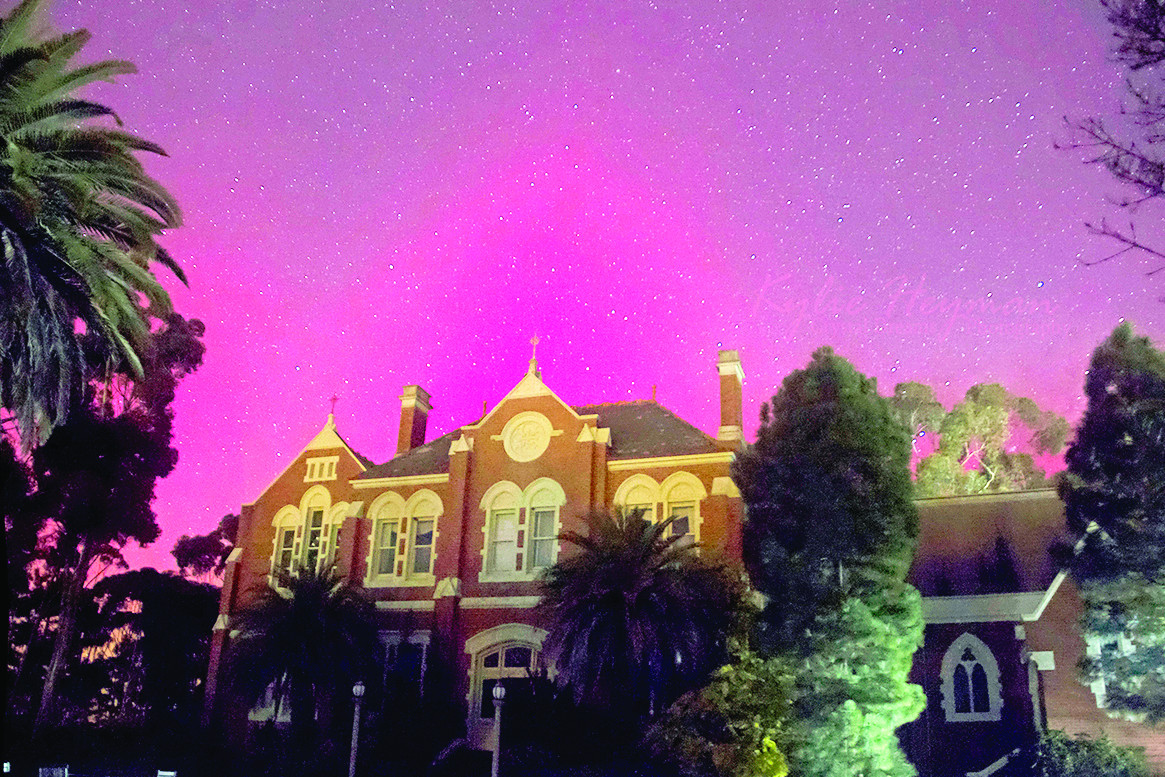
{"x":1114,"y":492}
{"x":828,"y":490}
{"x":308,"y":639}
{"x":1114,"y":497}
{"x":203,"y":554}
{"x":636,"y":617}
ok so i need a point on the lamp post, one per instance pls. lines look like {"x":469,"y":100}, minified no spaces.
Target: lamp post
{"x":357,"y":696}
{"x":499,"y":694}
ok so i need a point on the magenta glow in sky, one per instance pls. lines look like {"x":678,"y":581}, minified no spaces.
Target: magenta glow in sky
{"x":378,"y":195}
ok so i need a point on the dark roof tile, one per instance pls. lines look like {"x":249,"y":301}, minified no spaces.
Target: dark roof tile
{"x":429,"y":459}
{"x":645,"y":429}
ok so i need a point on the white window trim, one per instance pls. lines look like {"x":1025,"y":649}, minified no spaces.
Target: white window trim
{"x":986,"y":658}
{"x":378,"y":512}
{"x":424,"y":504}
{"x":682,"y":487}
{"x":397,"y":638}
{"x":524,"y":502}
{"x":661,"y":497}
{"x":289,"y":516}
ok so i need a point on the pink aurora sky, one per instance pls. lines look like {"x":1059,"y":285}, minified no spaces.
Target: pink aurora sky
{"x":378,"y":195}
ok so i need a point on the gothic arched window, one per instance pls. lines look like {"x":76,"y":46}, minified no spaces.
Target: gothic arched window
{"x":970,"y":682}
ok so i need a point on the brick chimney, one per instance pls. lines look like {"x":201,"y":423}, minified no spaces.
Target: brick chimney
{"x":731,"y":397}
{"x":414,"y":416}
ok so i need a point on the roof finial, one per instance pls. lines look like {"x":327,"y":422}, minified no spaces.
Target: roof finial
{"x":332,"y":414}
{"x":534,"y":357}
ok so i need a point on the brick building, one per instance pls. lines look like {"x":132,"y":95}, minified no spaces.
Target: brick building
{"x":448,"y":537}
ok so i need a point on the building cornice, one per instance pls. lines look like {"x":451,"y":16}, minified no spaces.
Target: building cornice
{"x":402,"y":480}
{"x":686,"y":460}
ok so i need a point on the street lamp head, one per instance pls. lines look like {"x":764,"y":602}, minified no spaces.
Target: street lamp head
{"x":499,"y":692}
{"x":358,"y":689}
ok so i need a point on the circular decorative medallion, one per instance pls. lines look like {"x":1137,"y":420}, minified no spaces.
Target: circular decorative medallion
{"x":526,"y":436}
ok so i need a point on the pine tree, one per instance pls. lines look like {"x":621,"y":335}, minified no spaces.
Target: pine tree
{"x":1114,"y":495}
{"x":830,"y":537}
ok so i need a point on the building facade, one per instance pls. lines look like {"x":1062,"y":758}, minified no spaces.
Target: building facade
{"x":449,"y":536}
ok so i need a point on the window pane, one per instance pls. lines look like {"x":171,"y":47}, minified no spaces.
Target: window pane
{"x":421,"y":561}
{"x":423,"y":532}
{"x":487,"y":698}
{"x":518,"y":657}
{"x":491,"y":660}
{"x":543,"y":553}
{"x":648,"y":511}
{"x":962,"y":689}
{"x":982,"y":701}
{"x":544,"y":523}
{"x":504,"y":547}
{"x":422,"y":545}
{"x":386,"y":549}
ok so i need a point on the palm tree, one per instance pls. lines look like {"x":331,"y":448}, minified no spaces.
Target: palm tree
{"x":79,"y":218}
{"x":306,"y":639}
{"x":636,"y":617}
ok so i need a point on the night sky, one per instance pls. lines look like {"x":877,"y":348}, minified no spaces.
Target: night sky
{"x":378,"y":195}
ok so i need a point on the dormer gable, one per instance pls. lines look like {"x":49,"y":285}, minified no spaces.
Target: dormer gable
{"x":319,"y":459}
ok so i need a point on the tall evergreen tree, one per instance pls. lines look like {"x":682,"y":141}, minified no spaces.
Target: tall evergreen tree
{"x":830,"y":536}
{"x":1114,"y":495}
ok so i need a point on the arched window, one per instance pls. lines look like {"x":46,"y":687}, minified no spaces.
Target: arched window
{"x":520,"y":529}
{"x":306,"y":538}
{"x":422,"y":512}
{"x":402,"y":547}
{"x":682,"y":493}
{"x":638,"y":492}
{"x":543,"y":501}
{"x":387,"y":553}
{"x":970,"y":682}
{"x":500,"y":555}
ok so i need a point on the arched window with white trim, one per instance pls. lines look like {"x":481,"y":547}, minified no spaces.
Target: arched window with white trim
{"x":422,"y":512}
{"x":386,"y":557}
{"x":638,"y":492}
{"x":520,"y":529}
{"x":682,"y":494}
{"x":543,"y":501}
{"x":306,"y":538}
{"x":971,"y":689}
{"x":502,"y":503}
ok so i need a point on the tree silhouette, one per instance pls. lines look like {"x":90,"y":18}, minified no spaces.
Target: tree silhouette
{"x":636,"y":617}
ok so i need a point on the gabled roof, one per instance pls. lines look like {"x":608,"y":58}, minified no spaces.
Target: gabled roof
{"x":428,"y":459}
{"x":326,"y":439}
{"x":643,"y":428}
{"x":988,"y":543}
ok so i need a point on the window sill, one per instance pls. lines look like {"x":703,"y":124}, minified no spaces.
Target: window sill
{"x":391,"y":581}
{"x":510,"y":577}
